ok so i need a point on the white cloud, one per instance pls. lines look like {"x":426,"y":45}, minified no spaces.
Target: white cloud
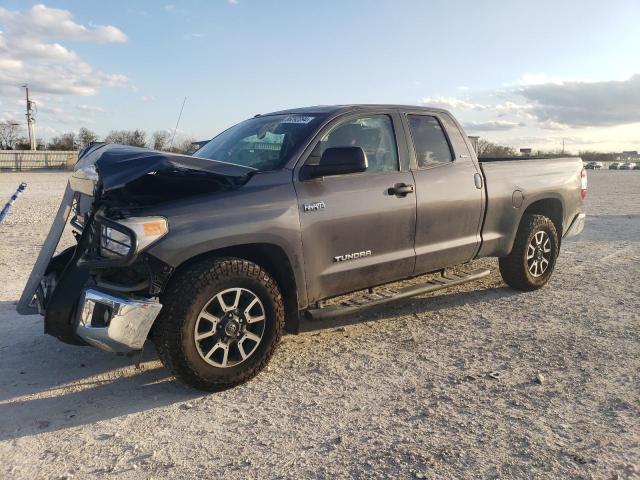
{"x":537,"y":79}
{"x":581,"y":104}
{"x":90,"y":108}
{"x":148,"y":98}
{"x":51,"y":67}
{"x":452,"y":103}
{"x":45,"y":22}
{"x":233,"y":2}
{"x":491,"y":126}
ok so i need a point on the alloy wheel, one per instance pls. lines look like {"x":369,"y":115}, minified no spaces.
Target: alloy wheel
{"x":230,"y":327}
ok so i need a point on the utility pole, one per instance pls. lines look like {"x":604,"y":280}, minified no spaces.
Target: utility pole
{"x":30,"y":120}
{"x":563,"y":145}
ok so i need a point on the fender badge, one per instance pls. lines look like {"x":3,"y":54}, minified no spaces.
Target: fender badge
{"x":352,"y":256}
{"x":314,"y":207}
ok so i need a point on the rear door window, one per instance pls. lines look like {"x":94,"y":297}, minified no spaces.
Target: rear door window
{"x":429,"y":141}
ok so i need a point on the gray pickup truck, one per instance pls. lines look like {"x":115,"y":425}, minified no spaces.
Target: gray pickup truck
{"x":213,"y":256}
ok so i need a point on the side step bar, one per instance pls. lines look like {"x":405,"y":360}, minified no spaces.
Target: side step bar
{"x":386,"y":295}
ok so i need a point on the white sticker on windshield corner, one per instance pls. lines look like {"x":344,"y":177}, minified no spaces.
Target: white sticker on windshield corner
{"x":296,"y":119}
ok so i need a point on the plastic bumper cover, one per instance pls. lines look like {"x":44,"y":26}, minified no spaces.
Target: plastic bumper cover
{"x":115,"y":324}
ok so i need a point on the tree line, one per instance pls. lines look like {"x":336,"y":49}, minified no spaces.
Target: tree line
{"x":10,"y":139}
{"x":493,"y":150}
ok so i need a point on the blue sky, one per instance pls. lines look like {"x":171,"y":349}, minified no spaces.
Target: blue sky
{"x":517,"y":72}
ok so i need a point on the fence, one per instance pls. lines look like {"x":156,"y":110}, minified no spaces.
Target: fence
{"x":38,"y":159}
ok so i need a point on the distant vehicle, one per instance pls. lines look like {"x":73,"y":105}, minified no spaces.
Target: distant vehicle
{"x":214,"y":255}
{"x":627,"y":166}
{"x":614,"y":166}
{"x":637,"y":167}
{"x":593,"y":166}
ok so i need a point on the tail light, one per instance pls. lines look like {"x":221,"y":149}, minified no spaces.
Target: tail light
{"x":583,"y":183}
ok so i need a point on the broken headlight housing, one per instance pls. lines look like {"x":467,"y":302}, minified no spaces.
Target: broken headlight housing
{"x":138,"y":234}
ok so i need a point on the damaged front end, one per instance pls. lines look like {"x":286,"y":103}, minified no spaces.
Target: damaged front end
{"x":105,"y":290}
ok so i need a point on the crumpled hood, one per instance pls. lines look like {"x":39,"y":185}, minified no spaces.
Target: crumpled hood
{"x":118,"y":165}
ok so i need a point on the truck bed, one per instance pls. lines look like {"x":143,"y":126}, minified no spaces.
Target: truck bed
{"x":521,"y":157}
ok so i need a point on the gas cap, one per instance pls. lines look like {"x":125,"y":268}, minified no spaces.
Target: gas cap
{"x":517,"y":198}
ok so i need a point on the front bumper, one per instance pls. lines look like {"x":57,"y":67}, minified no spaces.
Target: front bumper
{"x":576,"y":226}
{"x":115,"y":324}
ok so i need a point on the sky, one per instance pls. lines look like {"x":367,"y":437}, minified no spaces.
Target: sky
{"x":521,"y":73}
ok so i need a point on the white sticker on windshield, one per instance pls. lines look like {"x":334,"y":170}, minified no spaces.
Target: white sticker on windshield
{"x":297,"y":119}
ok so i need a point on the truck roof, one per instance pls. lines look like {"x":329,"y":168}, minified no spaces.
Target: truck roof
{"x":331,"y":109}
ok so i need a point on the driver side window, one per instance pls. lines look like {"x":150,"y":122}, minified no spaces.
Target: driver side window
{"x":374,"y":134}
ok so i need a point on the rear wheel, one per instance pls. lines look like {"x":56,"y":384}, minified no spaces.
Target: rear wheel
{"x":532,"y":259}
{"x":220,"y":323}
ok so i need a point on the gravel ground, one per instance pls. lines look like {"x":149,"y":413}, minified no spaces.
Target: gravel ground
{"x":478,"y":382}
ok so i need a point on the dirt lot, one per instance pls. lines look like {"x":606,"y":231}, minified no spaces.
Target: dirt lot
{"x":433,"y":387}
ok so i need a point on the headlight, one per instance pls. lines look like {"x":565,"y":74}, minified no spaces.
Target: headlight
{"x":113,"y":243}
{"x":148,"y":230}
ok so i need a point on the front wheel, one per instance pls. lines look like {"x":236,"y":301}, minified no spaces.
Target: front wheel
{"x":533,"y":257}
{"x":220,"y":323}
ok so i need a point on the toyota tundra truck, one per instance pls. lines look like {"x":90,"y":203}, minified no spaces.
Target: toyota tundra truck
{"x":213,"y":256}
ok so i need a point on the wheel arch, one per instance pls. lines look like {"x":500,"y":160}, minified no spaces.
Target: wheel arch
{"x":551,"y":208}
{"x":271,"y":258}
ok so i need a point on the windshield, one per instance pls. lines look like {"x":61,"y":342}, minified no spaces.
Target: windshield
{"x":264,"y":143}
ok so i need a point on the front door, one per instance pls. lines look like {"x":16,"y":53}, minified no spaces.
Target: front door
{"x":357,"y":231}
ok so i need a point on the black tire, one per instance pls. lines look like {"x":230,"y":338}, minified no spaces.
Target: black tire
{"x":183,"y":302}
{"x":518,"y":271}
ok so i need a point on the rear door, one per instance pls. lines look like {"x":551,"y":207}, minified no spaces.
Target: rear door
{"x":357,"y":233}
{"x":449,"y":192}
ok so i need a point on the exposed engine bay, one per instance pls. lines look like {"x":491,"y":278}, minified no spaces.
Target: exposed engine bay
{"x":110,"y":184}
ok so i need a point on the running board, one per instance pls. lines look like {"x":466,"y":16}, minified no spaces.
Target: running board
{"x":384,"y":295}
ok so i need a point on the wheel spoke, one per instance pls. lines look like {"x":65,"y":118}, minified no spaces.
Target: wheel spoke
{"x":212,"y":318}
{"x":223,"y":305}
{"x":217,"y":346}
{"x":539,"y":236}
{"x":225,"y":355}
{"x":543,"y":264}
{"x":243,"y":354}
{"x":202,"y":336}
{"x":250,"y":336}
{"x":257,"y":318}
{"x":237,"y":300}
{"x":547,"y":246}
{"x":530,"y":252}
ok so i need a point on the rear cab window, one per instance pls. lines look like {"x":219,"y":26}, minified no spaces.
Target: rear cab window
{"x":429,"y":141}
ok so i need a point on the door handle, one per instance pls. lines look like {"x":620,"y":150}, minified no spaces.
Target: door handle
{"x":401,"y":189}
{"x":477,"y":179}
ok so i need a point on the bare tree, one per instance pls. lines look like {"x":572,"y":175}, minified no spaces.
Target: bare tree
{"x":66,"y":141}
{"x":185,"y":146}
{"x":86,"y":137}
{"x":22,"y":143}
{"x":134,"y":138}
{"x":488,"y":149}
{"x":160,"y":140}
{"x":9,"y":134}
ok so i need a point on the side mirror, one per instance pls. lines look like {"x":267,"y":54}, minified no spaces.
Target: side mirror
{"x":337,"y":161}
